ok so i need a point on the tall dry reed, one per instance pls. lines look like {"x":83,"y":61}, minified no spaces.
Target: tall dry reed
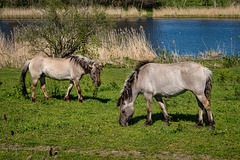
{"x":121,"y":13}
{"x":31,"y":13}
{"x":21,"y":13}
{"x":120,"y":44}
{"x":198,"y":12}
{"x":13,"y":54}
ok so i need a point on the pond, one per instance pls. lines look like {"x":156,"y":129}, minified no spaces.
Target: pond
{"x":184,"y":36}
{"x":190,"y":36}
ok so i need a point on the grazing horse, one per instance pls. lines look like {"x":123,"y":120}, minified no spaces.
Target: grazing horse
{"x":166,"y":80}
{"x":70,"y":68}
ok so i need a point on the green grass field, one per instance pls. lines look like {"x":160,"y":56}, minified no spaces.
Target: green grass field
{"x":91,"y":130}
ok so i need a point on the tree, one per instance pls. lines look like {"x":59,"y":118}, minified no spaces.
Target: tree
{"x":65,"y":31}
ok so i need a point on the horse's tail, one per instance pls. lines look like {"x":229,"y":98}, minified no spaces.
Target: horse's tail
{"x":23,"y":76}
{"x":208,"y":86}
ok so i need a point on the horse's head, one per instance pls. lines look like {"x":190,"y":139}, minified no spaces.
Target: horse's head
{"x":95,"y":74}
{"x":126,"y":113}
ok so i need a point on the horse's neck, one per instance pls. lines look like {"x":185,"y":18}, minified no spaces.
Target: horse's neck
{"x":135,"y":94}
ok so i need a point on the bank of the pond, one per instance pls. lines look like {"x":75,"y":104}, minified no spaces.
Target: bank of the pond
{"x":132,"y":12}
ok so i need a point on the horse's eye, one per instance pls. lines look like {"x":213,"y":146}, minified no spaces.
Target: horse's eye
{"x":123,"y":111}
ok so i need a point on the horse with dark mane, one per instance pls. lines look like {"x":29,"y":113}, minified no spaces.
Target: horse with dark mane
{"x":166,"y":80}
{"x":70,"y":68}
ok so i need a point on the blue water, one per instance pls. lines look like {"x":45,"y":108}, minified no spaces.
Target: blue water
{"x":191,"y":36}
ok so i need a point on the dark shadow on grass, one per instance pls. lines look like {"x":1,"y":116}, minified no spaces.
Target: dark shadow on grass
{"x":159,"y":116}
{"x":102,"y":100}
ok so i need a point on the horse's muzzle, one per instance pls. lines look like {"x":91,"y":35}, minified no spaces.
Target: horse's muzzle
{"x":97,"y":84}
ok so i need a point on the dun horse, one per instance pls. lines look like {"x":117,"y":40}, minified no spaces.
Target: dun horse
{"x":70,"y":68}
{"x":164,"y":80}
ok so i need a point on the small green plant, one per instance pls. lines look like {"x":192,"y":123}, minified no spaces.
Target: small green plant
{"x":165,"y":56}
{"x":114,"y":85}
{"x":223,"y":76}
{"x":231,"y":61}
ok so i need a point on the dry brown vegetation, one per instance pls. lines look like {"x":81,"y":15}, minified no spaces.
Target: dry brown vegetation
{"x":13,"y":54}
{"x":118,"y":44}
{"x":113,"y":47}
{"x":233,"y":11}
{"x":21,"y":13}
{"x":119,"y":12}
{"x":30,"y":13}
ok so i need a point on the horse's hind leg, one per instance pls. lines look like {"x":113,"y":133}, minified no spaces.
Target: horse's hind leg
{"x":66,"y":98}
{"x":43,"y":87}
{"x":200,"y":115}
{"x":204,"y":101}
{"x":33,"y":86}
{"x":162,"y":106}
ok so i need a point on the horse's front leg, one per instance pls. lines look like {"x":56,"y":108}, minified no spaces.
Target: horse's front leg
{"x":149,"y":110}
{"x":165,"y":114}
{"x":66,"y":98}
{"x":43,"y":87}
{"x":80,"y":98}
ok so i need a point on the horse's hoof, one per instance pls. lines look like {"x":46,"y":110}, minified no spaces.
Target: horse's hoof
{"x":198,"y":124}
{"x":166,"y":124}
{"x":147,"y":123}
{"x":81,"y":100}
{"x":34,"y":100}
{"x":211,"y":128}
{"x":66,"y":99}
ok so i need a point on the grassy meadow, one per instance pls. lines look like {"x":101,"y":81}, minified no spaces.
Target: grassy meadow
{"x":57,"y":129}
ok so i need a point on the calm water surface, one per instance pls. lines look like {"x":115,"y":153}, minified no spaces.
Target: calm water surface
{"x":191,"y":36}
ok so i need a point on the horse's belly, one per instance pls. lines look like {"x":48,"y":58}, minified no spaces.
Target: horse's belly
{"x":57,"y":75}
{"x":168,"y":91}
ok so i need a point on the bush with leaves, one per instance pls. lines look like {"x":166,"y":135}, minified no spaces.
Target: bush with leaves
{"x":64,"y":31}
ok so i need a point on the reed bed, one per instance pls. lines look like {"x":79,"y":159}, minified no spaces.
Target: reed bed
{"x":120,"y":44}
{"x":13,"y":54}
{"x":34,"y":13}
{"x":233,"y":11}
{"x":119,"y":12}
{"x":21,"y":13}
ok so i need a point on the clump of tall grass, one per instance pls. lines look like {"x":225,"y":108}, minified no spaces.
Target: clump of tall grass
{"x":122,"y":43}
{"x":232,"y":11}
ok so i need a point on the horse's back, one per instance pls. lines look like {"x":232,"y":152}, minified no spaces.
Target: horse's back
{"x":55,"y":68}
{"x":173,"y":79}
